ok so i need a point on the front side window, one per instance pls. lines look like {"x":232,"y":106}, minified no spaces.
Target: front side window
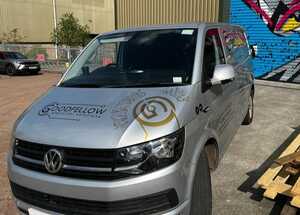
{"x":213,"y":54}
{"x":143,"y":58}
{"x":14,"y":55}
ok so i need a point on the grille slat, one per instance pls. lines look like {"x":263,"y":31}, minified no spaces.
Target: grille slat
{"x":79,"y":162}
{"x":30,"y":153}
{"x":29,"y":63}
{"x":154,"y":203}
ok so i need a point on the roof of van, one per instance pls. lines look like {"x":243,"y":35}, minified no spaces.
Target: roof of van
{"x":171,"y":26}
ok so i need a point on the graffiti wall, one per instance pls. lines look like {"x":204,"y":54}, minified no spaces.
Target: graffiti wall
{"x":273,"y":28}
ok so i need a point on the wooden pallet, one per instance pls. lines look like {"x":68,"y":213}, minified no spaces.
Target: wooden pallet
{"x":275,"y":179}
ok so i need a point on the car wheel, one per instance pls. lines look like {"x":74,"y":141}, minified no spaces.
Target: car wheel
{"x":201,"y":203}
{"x":10,"y":70}
{"x":249,"y":117}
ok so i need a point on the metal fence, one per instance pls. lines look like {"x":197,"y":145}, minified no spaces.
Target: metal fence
{"x":52,"y":58}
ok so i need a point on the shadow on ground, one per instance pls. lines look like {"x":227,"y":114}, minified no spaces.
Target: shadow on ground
{"x":281,"y":202}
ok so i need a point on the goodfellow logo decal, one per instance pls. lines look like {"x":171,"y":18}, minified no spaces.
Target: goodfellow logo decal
{"x":72,"y":111}
{"x":154,"y":112}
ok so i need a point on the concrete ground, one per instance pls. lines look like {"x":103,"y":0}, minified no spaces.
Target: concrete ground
{"x":276,"y":123}
{"x":16,"y":94}
{"x":277,"y":116}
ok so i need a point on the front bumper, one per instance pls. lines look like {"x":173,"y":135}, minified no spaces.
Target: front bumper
{"x":168,"y":178}
{"x":27,"y":69}
{"x":23,"y":208}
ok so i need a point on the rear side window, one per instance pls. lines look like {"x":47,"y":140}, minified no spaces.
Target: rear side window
{"x":236,"y":45}
{"x":213,"y":55}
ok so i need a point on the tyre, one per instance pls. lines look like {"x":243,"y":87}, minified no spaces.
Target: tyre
{"x":35,"y":73}
{"x":249,"y":117}
{"x":201,"y":203}
{"x":10,"y":70}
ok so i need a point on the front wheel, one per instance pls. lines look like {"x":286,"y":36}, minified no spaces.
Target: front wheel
{"x":201,"y":203}
{"x":249,"y":117}
{"x":10,"y":70}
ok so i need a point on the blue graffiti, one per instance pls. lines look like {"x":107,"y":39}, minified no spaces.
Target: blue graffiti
{"x":273,"y":50}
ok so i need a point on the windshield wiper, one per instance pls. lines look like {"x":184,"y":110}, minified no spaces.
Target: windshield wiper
{"x":80,"y":85}
{"x":151,"y":84}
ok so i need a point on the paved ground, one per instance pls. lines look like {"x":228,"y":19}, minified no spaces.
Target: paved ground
{"x":16,"y":94}
{"x":277,"y":117}
{"x":277,"y":121}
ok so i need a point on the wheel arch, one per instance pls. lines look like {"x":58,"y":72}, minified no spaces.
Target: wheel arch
{"x":211,"y":148}
{"x":9,"y":64}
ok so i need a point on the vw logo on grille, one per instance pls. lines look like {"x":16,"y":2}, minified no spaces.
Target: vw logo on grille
{"x":53,"y":161}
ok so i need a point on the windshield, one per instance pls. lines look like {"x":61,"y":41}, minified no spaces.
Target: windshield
{"x":144,"y":58}
{"x":14,"y":55}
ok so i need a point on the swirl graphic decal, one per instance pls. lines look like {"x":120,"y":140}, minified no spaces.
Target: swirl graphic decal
{"x":154,"y":112}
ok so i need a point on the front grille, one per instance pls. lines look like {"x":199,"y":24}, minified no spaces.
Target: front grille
{"x":30,"y":63}
{"x":78,"y":162}
{"x":150,"y":204}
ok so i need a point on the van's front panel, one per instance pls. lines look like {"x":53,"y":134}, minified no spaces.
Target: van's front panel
{"x":88,"y":136}
{"x":123,"y":131}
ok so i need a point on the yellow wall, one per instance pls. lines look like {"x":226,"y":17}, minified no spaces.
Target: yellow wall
{"x":34,"y":18}
{"x":131,"y":13}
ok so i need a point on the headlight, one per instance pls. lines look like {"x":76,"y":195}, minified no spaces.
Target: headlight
{"x":150,"y":156}
{"x":21,"y":66}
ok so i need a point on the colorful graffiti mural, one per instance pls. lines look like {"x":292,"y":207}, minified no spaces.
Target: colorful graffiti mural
{"x":273,"y":27}
{"x":280,"y":16}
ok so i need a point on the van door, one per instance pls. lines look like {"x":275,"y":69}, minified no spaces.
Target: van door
{"x":220,"y":98}
{"x":237,"y":54}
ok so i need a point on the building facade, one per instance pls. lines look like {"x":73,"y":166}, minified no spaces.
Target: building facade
{"x":273,"y":28}
{"x":34,"y":19}
{"x":133,"y":13}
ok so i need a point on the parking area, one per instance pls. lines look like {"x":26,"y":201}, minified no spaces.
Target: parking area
{"x":277,"y":121}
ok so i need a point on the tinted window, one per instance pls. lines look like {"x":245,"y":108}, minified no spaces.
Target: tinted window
{"x":14,"y":55}
{"x":154,"y":57}
{"x":213,"y":54}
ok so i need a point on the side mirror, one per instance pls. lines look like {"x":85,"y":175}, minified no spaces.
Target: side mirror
{"x":223,"y":73}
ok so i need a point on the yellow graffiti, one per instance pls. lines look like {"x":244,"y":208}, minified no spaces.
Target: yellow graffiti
{"x":290,"y":25}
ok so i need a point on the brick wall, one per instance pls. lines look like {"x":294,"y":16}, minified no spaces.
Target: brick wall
{"x":273,"y":27}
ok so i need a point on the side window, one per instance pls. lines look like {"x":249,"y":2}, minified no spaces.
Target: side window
{"x":237,"y":48}
{"x":213,"y":55}
{"x":106,"y":54}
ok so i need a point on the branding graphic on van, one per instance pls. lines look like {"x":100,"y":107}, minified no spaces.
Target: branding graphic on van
{"x":154,"y":112}
{"x":201,"y":108}
{"x":120,"y":110}
{"x":72,"y":111}
{"x":181,"y":95}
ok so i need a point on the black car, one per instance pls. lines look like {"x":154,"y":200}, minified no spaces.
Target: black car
{"x":15,"y":63}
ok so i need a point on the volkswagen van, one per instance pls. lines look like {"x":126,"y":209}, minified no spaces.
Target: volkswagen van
{"x":136,"y":124}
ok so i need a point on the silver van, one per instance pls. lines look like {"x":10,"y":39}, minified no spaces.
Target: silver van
{"x":136,"y":124}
